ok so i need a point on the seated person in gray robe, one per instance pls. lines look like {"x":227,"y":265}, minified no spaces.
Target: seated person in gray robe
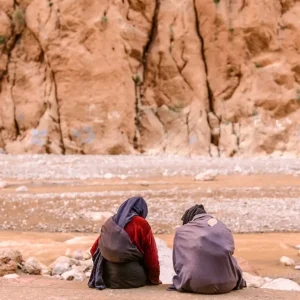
{"x":203,"y":255}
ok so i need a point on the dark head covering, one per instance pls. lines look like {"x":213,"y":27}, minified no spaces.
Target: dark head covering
{"x":192,"y":212}
{"x":135,"y":206}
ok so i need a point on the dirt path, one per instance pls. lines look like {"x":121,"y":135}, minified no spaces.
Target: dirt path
{"x":28,"y":288}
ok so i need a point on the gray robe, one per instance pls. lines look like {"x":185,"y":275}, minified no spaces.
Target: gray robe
{"x":202,"y":258}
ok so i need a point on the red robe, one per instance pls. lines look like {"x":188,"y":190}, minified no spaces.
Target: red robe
{"x":141,"y":236}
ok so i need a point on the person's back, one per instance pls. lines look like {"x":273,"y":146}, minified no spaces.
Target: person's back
{"x":125,"y":254}
{"x":202,"y":257}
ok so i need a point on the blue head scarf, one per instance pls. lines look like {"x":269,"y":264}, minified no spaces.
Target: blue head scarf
{"x":135,"y":206}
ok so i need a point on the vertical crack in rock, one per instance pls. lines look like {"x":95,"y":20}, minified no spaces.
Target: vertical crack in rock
{"x":55,"y":91}
{"x":137,"y":80}
{"x":209,"y":90}
{"x":58,"y":112}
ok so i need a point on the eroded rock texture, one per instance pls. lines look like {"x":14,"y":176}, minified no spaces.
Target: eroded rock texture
{"x":191,"y":77}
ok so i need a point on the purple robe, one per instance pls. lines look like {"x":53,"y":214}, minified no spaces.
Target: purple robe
{"x":202,"y":258}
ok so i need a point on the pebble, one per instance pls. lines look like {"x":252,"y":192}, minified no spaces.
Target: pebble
{"x":78,"y":254}
{"x":282,"y":284}
{"x":206,"y":176}
{"x":73,"y":274}
{"x":11,"y":276}
{"x":287,"y":261}
{"x":22,"y":189}
{"x":297,"y":267}
{"x":253,"y":281}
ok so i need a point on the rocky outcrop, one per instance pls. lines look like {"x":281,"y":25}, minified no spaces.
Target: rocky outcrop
{"x":193,"y":77}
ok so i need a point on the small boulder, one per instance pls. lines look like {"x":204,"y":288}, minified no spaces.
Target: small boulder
{"x":11,"y":276}
{"x":78,"y":254}
{"x":10,"y":254}
{"x":32,"y":266}
{"x":281,"y":284}
{"x":287,"y":261}
{"x":63,"y":264}
{"x":253,"y":281}
{"x":206,"y":176}
{"x":22,"y":189}
{"x":73,"y":274}
{"x":61,"y":268}
{"x":9,"y":267}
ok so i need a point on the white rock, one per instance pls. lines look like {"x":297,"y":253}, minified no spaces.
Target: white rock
{"x":73,"y":274}
{"x":282,"y":284}
{"x":297,"y":267}
{"x":88,"y":264}
{"x":11,"y":276}
{"x":238,"y":169}
{"x":206,"y":176}
{"x":253,"y":281}
{"x":78,"y":254}
{"x":3,"y":184}
{"x":287,"y":261}
{"x":22,"y":189}
{"x":88,"y":274}
{"x":61,"y":268}
{"x":32,"y":266}
{"x":298,"y":247}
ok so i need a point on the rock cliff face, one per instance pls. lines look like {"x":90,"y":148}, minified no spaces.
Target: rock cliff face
{"x":191,"y":77}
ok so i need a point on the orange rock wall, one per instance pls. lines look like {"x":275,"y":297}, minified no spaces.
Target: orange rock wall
{"x":189,"y":77}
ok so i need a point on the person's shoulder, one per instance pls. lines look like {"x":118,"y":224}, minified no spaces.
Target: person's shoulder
{"x":141,"y":222}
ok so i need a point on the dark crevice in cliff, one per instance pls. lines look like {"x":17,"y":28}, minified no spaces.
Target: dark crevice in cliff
{"x":58,"y":113}
{"x":137,"y":78}
{"x":209,"y":90}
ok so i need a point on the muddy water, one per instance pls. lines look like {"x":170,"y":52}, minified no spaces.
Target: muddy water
{"x":262,"y":251}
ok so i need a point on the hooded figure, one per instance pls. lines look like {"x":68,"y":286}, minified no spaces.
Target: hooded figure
{"x":203,"y":255}
{"x":125,"y":254}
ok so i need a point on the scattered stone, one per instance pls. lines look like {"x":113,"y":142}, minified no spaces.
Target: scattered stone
{"x":238,"y":169}
{"x":32,"y":266}
{"x":9,"y":267}
{"x":78,"y":254}
{"x":88,"y":274}
{"x":297,"y":267}
{"x":22,"y":189}
{"x":3,"y":184}
{"x":60,"y":268}
{"x":287,"y":261}
{"x":73,"y":274}
{"x":10,"y":254}
{"x":253,"y":281}
{"x":206,"y":176}
{"x":281,"y":284}
{"x":11,"y":276}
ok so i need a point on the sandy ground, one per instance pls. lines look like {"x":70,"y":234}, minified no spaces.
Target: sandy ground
{"x":68,"y":199}
{"x":28,"y":288}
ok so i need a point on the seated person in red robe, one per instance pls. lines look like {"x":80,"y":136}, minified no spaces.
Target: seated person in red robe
{"x":125,"y":254}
